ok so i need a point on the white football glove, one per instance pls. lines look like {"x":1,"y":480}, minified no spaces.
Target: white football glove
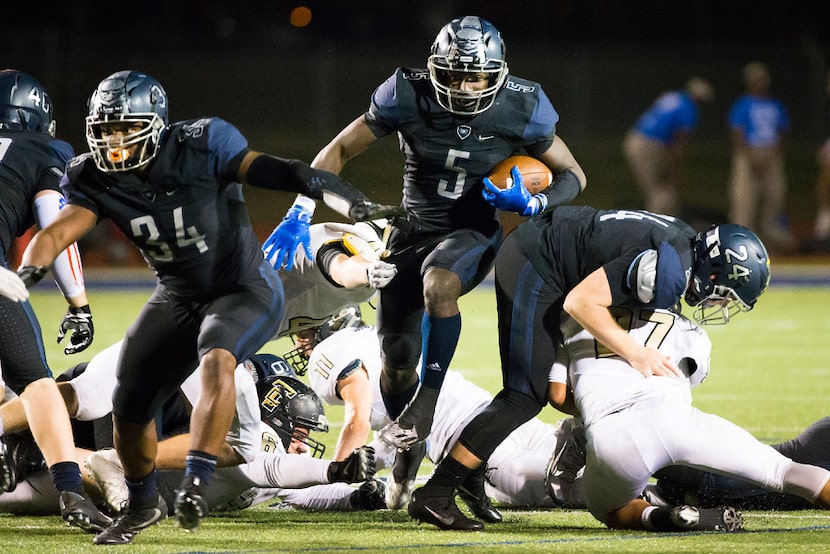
{"x":380,"y":273}
{"x":12,"y":286}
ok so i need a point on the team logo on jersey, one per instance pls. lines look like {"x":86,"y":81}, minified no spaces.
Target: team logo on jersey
{"x":513,"y":85}
{"x":410,"y":75}
{"x":463,"y":131}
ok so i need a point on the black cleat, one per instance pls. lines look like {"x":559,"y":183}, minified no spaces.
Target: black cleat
{"x":190,"y":506}
{"x":78,"y":511}
{"x":471,"y":491}
{"x":652,"y":495}
{"x":130,"y":522}
{"x":691,"y":518}
{"x":440,"y":510}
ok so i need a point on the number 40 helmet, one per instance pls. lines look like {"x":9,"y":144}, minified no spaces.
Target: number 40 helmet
{"x":730,"y":271}
{"x":135,"y":99}
{"x":464,"y":48}
{"x":292,"y":410}
{"x":24,"y":103}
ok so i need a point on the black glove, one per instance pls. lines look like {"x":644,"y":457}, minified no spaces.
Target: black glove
{"x":79,"y":321}
{"x":365,"y":210}
{"x":369,"y":496}
{"x":31,"y":275}
{"x":359,"y":466}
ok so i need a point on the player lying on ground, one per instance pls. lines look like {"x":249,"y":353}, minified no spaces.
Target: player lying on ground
{"x":286,"y":411}
{"x":635,"y":427}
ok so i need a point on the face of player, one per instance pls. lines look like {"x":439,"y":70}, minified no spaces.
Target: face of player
{"x":297,"y":446}
{"x":115,"y":135}
{"x":467,"y":82}
{"x":304,"y":341}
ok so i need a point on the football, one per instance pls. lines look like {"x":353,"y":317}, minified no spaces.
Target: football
{"x":536,"y":176}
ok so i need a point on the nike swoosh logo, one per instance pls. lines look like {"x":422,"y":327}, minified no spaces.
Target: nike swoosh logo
{"x":151,"y":520}
{"x":482,"y":138}
{"x":443,"y":519}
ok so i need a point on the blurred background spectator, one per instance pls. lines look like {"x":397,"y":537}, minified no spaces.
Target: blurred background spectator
{"x":758,"y":126}
{"x":654,"y":147}
{"x":821,"y":227}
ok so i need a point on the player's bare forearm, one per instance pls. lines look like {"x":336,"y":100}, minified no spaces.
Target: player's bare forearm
{"x":72,"y":223}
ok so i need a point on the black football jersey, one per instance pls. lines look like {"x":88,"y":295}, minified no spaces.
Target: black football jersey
{"x":29,"y":163}
{"x":445,"y":155}
{"x":185,"y":211}
{"x":567,"y":243}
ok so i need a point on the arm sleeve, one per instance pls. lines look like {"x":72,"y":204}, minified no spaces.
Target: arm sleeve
{"x":67,"y":268}
{"x":271,"y":172}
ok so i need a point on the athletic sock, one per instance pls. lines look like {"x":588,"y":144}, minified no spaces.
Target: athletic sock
{"x":143,"y":491}
{"x":440,"y":338}
{"x":449,"y":474}
{"x":200,"y":464}
{"x":67,"y":477}
{"x":657,"y":519}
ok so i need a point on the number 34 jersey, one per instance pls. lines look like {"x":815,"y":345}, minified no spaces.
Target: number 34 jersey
{"x":185,"y":211}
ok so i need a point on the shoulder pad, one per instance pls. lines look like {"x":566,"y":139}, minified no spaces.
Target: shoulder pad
{"x":521,"y":86}
{"x":642,"y":274}
{"x":411,"y":74}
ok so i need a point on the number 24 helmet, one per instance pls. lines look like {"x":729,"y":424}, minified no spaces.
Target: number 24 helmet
{"x":24,"y":103}
{"x":729,"y":273}
{"x":292,"y":409}
{"x":137,"y":100}
{"x":464,"y":48}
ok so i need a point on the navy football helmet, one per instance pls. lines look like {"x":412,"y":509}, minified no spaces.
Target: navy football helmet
{"x":137,"y":100}
{"x":464,"y":48}
{"x":730,"y":271}
{"x":24,"y":103}
{"x":263,"y":365}
{"x":345,"y":319}
{"x":292,"y":410}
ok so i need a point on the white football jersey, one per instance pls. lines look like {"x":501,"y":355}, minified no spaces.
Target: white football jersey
{"x":458,"y":401}
{"x":337,"y":353}
{"x":311,"y":297}
{"x":95,"y":386}
{"x":605,"y":387}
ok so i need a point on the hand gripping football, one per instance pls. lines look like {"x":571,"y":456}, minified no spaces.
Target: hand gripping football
{"x":536,"y":176}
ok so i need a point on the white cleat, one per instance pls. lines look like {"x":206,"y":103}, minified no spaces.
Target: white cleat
{"x":401,"y":480}
{"x":105,"y":468}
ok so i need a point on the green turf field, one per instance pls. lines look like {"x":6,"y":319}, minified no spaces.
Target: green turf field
{"x":769,"y":374}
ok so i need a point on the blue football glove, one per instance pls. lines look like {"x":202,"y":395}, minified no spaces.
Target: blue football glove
{"x":281,"y":247}
{"x":514,"y":198}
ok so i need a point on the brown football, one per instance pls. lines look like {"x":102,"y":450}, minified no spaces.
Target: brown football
{"x":536,"y":176}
